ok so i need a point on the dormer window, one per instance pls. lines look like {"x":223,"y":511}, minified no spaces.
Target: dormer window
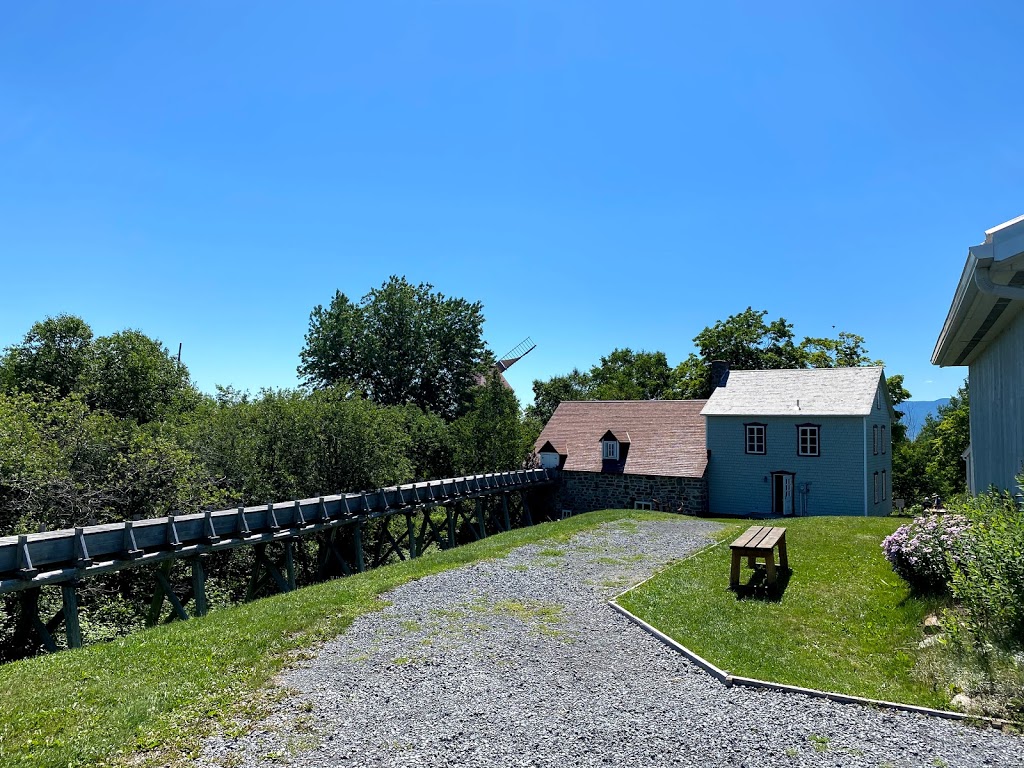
{"x":610,"y":450}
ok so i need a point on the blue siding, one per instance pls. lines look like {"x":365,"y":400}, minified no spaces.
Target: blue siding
{"x":841,"y":479}
{"x":997,"y":410}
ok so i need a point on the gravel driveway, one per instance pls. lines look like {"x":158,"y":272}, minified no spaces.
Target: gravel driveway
{"x":520,"y":662}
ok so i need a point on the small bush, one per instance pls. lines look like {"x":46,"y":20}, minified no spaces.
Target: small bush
{"x":987,"y":577}
{"x":921,"y":550}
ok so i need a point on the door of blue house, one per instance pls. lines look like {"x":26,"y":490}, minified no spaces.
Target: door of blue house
{"x":782,"y":493}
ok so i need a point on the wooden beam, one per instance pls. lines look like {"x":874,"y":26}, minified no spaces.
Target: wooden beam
{"x":198,"y":586}
{"x":71,"y":625}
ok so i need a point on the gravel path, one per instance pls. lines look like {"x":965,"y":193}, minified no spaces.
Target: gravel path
{"x":520,"y":662}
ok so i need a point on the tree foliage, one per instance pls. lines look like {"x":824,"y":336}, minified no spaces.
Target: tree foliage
{"x":132,"y":376}
{"x":400,"y":344}
{"x":51,"y":357}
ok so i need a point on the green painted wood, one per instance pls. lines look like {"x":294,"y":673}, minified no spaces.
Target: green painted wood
{"x":165,"y":583}
{"x":289,"y":563}
{"x":71,"y":625}
{"x":450,"y":520}
{"x":504,"y":512}
{"x":526,"y":508}
{"x":254,"y":578}
{"x":412,"y":535}
{"x":156,"y":605}
{"x":198,"y":586}
{"x":357,"y":539}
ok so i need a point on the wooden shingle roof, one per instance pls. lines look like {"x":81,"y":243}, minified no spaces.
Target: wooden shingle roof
{"x":666,"y":437}
{"x":797,"y":391}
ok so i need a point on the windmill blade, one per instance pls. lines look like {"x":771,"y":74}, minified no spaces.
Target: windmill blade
{"x":518,"y":352}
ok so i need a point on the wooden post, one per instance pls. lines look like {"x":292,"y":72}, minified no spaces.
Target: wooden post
{"x":450,"y":519}
{"x":199,"y":586}
{"x":289,"y":562}
{"x":74,"y":630}
{"x":526,"y":508}
{"x":504,"y":512}
{"x":357,"y":543}
{"x":156,"y":605}
{"x":254,"y":579}
{"x":480,"y":517}
{"x":412,"y":535}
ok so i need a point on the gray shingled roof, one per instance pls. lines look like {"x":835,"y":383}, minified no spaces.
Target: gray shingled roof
{"x":794,"y":392}
{"x":666,"y":437}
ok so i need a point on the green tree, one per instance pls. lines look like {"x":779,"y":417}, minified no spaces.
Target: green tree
{"x":132,"y":376}
{"x":628,"y":375}
{"x":847,"y":350}
{"x":51,"y":356}
{"x":548,"y":394}
{"x":491,"y":436}
{"x":947,"y":442}
{"x":401,"y":343}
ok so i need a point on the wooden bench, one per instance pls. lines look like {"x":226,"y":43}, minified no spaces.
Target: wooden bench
{"x":759,"y":541}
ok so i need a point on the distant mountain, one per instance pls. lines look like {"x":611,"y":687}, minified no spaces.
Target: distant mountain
{"x":916,"y":411}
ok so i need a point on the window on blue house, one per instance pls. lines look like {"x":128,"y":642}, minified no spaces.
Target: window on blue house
{"x":610,"y":450}
{"x":885,"y":439}
{"x":876,"y":487}
{"x":755,"y":438}
{"x":808,"y":440}
{"x":885,"y":480}
{"x":874,"y":440}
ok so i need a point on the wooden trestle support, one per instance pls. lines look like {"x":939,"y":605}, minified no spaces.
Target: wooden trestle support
{"x":352,"y":532}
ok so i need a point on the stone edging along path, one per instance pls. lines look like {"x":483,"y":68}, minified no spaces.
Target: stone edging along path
{"x":729,"y":680}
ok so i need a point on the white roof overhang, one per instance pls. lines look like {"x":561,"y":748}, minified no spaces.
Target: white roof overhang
{"x":988,"y":297}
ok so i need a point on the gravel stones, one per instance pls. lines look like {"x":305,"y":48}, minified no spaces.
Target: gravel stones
{"x":520,"y":662}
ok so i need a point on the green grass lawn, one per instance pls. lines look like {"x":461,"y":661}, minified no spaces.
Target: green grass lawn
{"x":845,"y":622}
{"x":160,"y":690}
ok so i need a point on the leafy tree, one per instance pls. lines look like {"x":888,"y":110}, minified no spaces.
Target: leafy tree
{"x":628,"y":375}
{"x":51,"y":356}
{"x":845,"y":351}
{"x":401,"y":343}
{"x":132,"y":376}
{"x":290,"y":444}
{"x":897,"y":394}
{"x":548,"y":394}
{"x":947,"y":441}
{"x":491,"y":436}
{"x":432,"y":448}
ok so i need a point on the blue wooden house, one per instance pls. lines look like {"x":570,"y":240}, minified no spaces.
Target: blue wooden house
{"x":803,"y":441}
{"x":984,"y":330}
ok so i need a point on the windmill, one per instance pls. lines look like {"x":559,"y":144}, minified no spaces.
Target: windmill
{"x":510,"y":358}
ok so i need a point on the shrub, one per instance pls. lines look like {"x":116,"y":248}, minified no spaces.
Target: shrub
{"x":987,"y":576}
{"x":921,"y":550}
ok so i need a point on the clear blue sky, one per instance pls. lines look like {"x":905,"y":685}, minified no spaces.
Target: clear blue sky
{"x":598,"y":174}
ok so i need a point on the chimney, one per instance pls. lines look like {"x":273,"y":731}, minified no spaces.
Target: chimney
{"x":719,"y":373}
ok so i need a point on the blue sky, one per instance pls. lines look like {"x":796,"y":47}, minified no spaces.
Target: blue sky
{"x":598,"y":174}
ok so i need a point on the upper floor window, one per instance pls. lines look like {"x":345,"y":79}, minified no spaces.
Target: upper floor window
{"x":878,"y":400}
{"x":874,"y":440}
{"x":754,"y":440}
{"x":885,"y":439}
{"x":808,"y":440}
{"x":610,"y":450}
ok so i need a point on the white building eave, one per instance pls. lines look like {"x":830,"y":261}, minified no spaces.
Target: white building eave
{"x":987,"y":298}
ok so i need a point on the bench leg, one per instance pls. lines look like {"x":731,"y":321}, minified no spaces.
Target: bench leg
{"x":734,"y":574}
{"x":769,"y":561}
{"x":783,"y":557}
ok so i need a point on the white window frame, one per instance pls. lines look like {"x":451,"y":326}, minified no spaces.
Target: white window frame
{"x":642,"y":505}
{"x":812,"y":432}
{"x":885,"y":484}
{"x":885,"y":438}
{"x":874,"y":440}
{"x":610,"y":450}
{"x":752,"y":434}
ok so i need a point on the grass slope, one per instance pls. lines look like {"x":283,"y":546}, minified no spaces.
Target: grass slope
{"x":160,"y":690}
{"x":845,"y":622}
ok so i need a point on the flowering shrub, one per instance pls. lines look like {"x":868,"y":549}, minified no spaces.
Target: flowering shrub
{"x":921,"y":551}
